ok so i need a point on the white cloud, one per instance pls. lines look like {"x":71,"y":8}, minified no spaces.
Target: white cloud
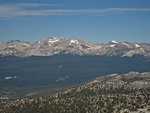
{"x":27,"y":9}
{"x":9,"y":10}
{"x":32,"y":5}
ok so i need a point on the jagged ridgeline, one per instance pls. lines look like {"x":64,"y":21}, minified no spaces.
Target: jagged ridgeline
{"x":115,"y":93}
{"x":53,"y":45}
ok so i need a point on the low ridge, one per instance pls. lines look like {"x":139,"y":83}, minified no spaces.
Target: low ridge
{"x":115,"y":93}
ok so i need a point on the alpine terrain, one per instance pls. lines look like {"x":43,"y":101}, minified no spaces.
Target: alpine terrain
{"x":114,"y":93}
{"x":53,"y":46}
{"x":29,"y":70}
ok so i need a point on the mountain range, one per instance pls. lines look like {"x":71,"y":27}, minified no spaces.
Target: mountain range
{"x":59,"y":45}
{"x":29,"y":70}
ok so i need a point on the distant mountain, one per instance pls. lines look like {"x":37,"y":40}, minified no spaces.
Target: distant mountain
{"x":53,"y":46}
{"x":115,"y":93}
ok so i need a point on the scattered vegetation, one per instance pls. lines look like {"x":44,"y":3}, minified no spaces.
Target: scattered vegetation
{"x":108,"y":94}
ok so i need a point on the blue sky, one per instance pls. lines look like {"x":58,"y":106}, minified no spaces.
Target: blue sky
{"x":97,"y":21}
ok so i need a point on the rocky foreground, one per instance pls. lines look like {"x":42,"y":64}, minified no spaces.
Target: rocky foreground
{"x":115,"y":93}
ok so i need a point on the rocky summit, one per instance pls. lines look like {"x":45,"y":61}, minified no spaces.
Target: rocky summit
{"x":56,"y":45}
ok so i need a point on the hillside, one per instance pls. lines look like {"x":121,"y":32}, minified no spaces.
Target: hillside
{"x":115,"y":93}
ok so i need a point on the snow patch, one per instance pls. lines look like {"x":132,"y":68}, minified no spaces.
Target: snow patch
{"x":12,"y":46}
{"x":9,"y":77}
{"x":114,"y":42}
{"x":74,"y":41}
{"x":113,"y":45}
{"x":53,"y":40}
{"x":136,"y":45}
{"x":126,"y":44}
